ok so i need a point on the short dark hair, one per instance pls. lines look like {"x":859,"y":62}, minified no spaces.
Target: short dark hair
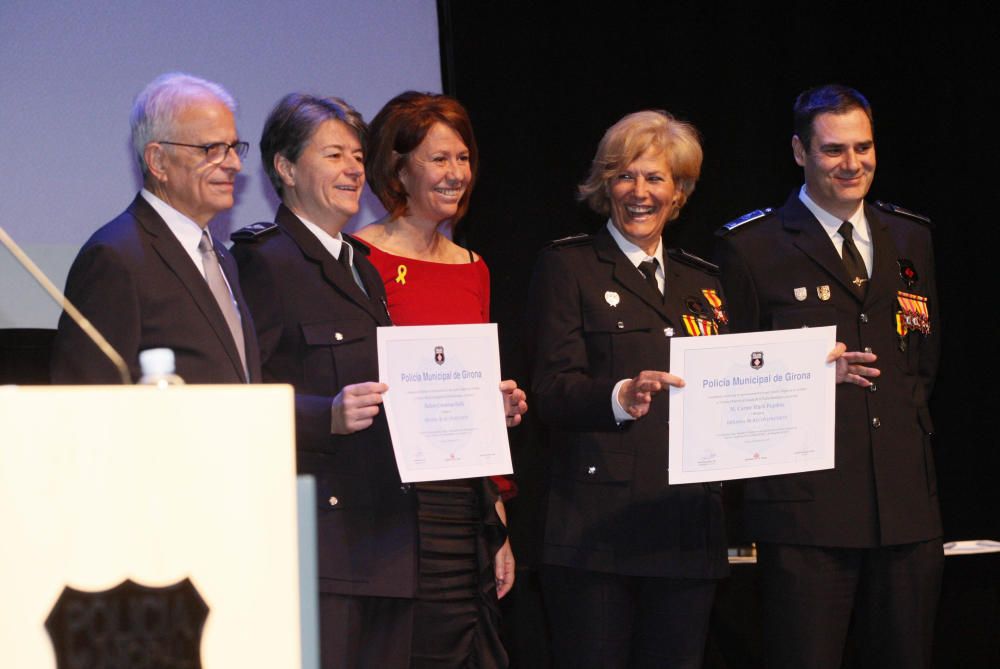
{"x":292,"y":122}
{"x":828,"y":99}
{"x":399,"y":128}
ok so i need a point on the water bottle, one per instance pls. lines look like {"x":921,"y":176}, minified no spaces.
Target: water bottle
{"x":157,"y":366}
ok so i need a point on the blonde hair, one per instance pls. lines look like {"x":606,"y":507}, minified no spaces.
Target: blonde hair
{"x":634,"y":135}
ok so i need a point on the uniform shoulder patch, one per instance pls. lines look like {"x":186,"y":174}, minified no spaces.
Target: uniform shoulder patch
{"x":254,"y":232}
{"x":691,"y":259}
{"x":572,"y":240}
{"x":755,"y":215}
{"x":906,"y":213}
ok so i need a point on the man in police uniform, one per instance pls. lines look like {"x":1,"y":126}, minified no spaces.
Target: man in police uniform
{"x":862,"y":539}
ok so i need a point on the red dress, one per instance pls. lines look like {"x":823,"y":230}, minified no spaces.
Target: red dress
{"x":432,"y":293}
{"x":455,"y":620}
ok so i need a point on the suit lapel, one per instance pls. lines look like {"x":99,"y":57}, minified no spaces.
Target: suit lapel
{"x":334,"y":273}
{"x":165,"y":245}
{"x":813,"y":240}
{"x":624,"y":272}
{"x":885,"y":269}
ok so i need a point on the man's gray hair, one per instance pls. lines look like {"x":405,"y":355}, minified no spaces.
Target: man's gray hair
{"x":155,"y":108}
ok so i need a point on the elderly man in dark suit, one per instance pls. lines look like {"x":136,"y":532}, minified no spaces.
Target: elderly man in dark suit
{"x":862,"y":540}
{"x":154,"y":277}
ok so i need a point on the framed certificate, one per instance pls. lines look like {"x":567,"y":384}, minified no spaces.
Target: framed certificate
{"x":444,"y":406}
{"x":753,"y":404}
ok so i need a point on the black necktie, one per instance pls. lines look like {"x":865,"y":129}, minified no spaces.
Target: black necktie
{"x":648,"y":269}
{"x":852,"y":260}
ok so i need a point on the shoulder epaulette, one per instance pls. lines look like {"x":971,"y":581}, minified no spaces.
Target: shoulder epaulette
{"x":252,"y":233}
{"x":572,"y":240}
{"x":893,"y":209}
{"x":755,"y":215}
{"x":357,"y":244}
{"x":694,"y":261}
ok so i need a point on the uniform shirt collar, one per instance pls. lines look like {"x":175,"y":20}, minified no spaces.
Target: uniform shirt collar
{"x":330,"y":243}
{"x":635,"y":254}
{"x":831,"y":223}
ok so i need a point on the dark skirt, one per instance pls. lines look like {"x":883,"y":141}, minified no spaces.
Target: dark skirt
{"x":456,"y":615}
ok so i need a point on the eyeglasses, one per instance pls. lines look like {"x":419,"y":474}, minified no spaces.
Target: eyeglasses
{"x":216,"y":152}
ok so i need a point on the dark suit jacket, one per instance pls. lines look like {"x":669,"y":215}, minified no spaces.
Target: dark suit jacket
{"x":882,"y":490}
{"x":317,"y":332}
{"x":139,"y":287}
{"x":609,"y":506}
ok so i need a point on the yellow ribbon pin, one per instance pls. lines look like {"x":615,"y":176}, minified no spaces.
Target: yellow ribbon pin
{"x":401,"y":275}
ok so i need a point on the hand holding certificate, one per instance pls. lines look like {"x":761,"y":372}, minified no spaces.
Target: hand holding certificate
{"x":754,"y":404}
{"x":444,"y":408}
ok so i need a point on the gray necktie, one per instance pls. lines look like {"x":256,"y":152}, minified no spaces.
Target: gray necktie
{"x":220,"y":290}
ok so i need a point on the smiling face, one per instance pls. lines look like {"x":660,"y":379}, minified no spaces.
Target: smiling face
{"x":436,"y":175}
{"x":324,"y":184}
{"x":839,"y":164}
{"x":643,"y":197}
{"x":182,"y":176}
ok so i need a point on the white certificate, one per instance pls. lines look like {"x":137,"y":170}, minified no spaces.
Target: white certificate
{"x":753,"y":404}
{"x":444,"y":406}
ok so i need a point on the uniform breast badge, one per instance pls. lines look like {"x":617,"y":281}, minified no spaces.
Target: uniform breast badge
{"x":699,"y":327}
{"x":712,"y":296}
{"x":823,"y":292}
{"x":913,"y":314}
{"x":612,"y":298}
{"x":907,"y":272}
{"x":801,"y":293}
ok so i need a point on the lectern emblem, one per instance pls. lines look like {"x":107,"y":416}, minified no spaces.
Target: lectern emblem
{"x":130,"y":625}
{"x":439,"y":355}
{"x":757,"y":359}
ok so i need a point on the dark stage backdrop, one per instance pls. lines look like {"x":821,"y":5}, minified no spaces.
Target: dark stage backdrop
{"x":542,"y":82}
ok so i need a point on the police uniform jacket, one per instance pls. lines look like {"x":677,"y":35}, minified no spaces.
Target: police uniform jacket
{"x":317,"y":331}
{"x":780,"y":270}
{"x":596,"y":321}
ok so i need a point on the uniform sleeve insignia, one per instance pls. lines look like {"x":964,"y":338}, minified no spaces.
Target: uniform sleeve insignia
{"x":692,"y":260}
{"x":254,"y":232}
{"x":906,"y":213}
{"x":755,"y":215}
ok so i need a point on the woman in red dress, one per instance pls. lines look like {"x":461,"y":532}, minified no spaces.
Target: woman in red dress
{"x":422,"y":164}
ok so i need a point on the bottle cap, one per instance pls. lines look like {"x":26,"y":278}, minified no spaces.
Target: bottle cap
{"x":156,"y":361}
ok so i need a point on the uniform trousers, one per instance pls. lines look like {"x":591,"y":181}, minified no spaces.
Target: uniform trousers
{"x":610,"y":621}
{"x":810,"y":594}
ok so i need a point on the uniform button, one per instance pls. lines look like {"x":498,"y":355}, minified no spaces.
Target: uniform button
{"x":873,"y":388}
{"x":863,"y":318}
{"x":668,"y":332}
{"x":333,"y":501}
{"x":591,"y":470}
{"x":868,"y":349}
{"x":405,"y":488}
{"x":621,"y":326}
{"x":876,"y":423}
{"x":338,"y":336}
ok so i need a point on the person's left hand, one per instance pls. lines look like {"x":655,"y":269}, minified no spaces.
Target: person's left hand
{"x":848,"y":368}
{"x":503,"y":569}
{"x":514,"y":402}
